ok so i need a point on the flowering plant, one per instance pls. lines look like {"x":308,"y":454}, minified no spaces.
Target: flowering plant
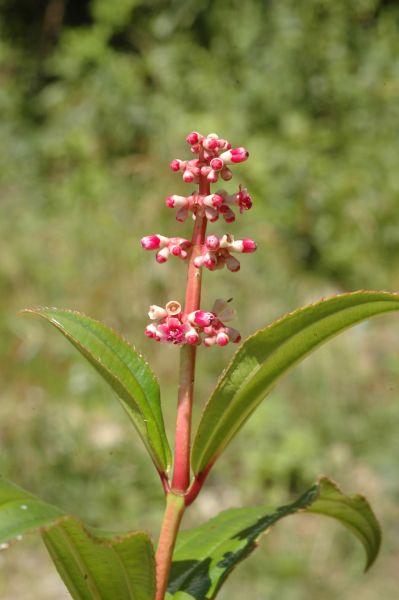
{"x":191,"y":564}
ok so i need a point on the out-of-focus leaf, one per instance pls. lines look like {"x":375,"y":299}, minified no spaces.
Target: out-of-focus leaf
{"x":93,"y":564}
{"x":267,"y":355}
{"x":124,"y":369}
{"x":206,"y":555}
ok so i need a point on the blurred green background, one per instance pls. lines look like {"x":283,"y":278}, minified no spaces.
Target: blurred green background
{"x":96,"y":97}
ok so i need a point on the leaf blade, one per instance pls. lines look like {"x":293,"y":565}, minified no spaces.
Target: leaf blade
{"x":206,"y":555}
{"x":266,"y":356}
{"x":93,"y":564}
{"x":98,"y":567}
{"x":124,"y":369}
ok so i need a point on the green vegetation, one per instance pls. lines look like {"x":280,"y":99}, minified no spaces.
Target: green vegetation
{"x":93,"y":95}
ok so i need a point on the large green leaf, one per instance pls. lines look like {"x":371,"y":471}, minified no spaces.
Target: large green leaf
{"x":124,"y":369}
{"x":94,"y":565}
{"x":206,"y":555}
{"x":267,"y":355}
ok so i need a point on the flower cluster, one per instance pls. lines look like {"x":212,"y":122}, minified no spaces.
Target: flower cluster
{"x":213,"y":205}
{"x":176,"y":246}
{"x":216,"y":252}
{"x":172,"y":325}
{"x":215,"y":154}
{"x":214,"y":157}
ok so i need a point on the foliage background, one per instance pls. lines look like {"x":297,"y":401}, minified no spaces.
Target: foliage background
{"x":95,"y":99}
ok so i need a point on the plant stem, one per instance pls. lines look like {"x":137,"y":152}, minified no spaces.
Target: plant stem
{"x":181,"y":474}
{"x":175,"y":504}
{"x":173,"y":515}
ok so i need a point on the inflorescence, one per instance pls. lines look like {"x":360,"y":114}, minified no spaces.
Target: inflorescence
{"x":172,"y":324}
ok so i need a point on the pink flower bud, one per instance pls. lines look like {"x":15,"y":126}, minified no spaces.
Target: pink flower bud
{"x":210,"y":142}
{"x":205,"y":170}
{"x":213,"y":200}
{"x":216,"y":164}
{"x":176,"y":201}
{"x":222,"y":339}
{"x":192,"y":337}
{"x":175,"y":250}
{"x":156,"y":312}
{"x":193,"y":138}
{"x":211,"y":214}
{"x":223,"y":144}
{"x":177,"y":165}
{"x":212,"y":242}
{"x":248,"y":245}
{"x":163,"y":255}
{"x":212,"y":176}
{"x":150,"y":242}
{"x":182,"y":215}
{"x":201,"y":318}
{"x":235,"y":155}
{"x":188,"y":176}
{"x":150,"y":330}
{"x":209,"y":341}
{"x":209,"y":261}
{"x":198,"y":261}
{"x":245,"y":246}
{"x":209,"y":331}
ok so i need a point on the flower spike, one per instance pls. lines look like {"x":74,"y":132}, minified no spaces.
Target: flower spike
{"x":193,"y":326}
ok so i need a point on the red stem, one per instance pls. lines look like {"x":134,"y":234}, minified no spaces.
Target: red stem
{"x":181,"y":474}
{"x":173,"y":515}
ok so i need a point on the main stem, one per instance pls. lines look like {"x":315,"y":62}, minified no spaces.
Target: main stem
{"x":175,"y":505}
{"x":181,"y":474}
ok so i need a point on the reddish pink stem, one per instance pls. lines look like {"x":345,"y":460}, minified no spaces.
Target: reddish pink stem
{"x":173,"y":515}
{"x":181,"y":474}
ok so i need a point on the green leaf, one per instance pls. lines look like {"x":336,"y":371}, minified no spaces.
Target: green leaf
{"x":100,"y":567}
{"x":266,"y":356}
{"x":124,"y":369}
{"x":94,"y":565}
{"x":206,"y":555}
{"x":21,"y":512}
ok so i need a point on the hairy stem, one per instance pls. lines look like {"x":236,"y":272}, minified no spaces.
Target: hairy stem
{"x":173,"y":515}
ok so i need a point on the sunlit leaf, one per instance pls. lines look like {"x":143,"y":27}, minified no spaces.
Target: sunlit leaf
{"x":93,"y":564}
{"x":267,"y":355}
{"x":124,"y":369}
{"x":206,"y":555}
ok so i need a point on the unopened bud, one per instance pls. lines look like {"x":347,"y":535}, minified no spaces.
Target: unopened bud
{"x":192,"y":337}
{"x":163,"y":255}
{"x":212,"y":242}
{"x":193,"y":138}
{"x":222,"y":339}
{"x":177,"y":165}
{"x":156,"y":312}
{"x":150,"y":242}
{"x":235,"y":155}
{"x":216,"y":164}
